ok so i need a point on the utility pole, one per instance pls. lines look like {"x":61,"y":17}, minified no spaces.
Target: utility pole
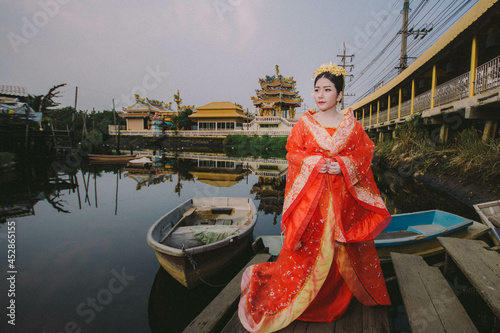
{"x":403,"y":60}
{"x":404,"y":32}
{"x":344,"y":56}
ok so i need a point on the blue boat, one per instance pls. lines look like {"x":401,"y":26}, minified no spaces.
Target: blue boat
{"x":412,"y":233}
{"x":419,"y":226}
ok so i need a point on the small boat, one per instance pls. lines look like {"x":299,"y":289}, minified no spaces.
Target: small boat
{"x":489,"y":212}
{"x":413,"y":233}
{"x":208,"y":232}
{"x":415,"y":227}
{"x":111,"y":159}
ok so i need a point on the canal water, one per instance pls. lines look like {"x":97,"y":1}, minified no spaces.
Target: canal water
{"x":82,"y":263}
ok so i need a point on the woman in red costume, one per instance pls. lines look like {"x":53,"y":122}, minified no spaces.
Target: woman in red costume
{"x":331,"y":214}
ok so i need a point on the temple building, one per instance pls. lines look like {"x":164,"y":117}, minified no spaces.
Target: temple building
{"x":277,"y":96}
{"x":147,"y":114}
{"x":219,"y":116}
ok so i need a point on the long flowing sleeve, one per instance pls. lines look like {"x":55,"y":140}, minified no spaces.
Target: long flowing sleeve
{"x":364,"y":214}
{"x":357,"y":157}
{"x":303,"y":186}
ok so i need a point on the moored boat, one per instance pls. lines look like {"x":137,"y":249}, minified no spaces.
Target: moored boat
{"x":210,"y":232}
{"x":489,"y":212}
{"x":413,"y":233}
{"x":116,"y":159}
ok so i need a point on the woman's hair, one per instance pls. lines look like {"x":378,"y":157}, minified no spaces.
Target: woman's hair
{"x":337,"y":80}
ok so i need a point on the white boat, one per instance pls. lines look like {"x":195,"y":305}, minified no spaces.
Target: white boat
{"x":211,"y":232}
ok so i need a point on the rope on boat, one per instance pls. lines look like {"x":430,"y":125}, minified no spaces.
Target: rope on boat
{"x":195,"y":267}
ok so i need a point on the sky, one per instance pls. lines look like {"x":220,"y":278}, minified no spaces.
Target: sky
{"x":209,"y":50}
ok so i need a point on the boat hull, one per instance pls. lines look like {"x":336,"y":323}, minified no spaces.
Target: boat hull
{"x":110,"y":159}
{"x":209,"y":263}
{"x":210,"y":258}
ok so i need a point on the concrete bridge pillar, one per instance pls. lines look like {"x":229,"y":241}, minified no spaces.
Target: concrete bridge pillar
{"x":443,"y":133}
{"x":490,"y":129}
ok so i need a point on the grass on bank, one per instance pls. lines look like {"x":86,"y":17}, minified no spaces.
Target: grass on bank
{"x":466,"y":156}
{"x":255,"y":146}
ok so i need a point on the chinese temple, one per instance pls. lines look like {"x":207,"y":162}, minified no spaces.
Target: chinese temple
{"x":219,"y":116}
{"x":277,"y":96}
{"x":147,"y":114}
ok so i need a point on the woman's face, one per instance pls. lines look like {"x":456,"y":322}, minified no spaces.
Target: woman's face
{"x":325,"y":95}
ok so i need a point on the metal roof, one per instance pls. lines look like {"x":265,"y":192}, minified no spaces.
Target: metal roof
{"x":13,"y":91}
{"x":469,"y":18}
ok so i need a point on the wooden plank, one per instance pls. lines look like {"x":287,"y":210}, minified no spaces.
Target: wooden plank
{"x":234,"y":325}
{"x":352,"y":321}
{"x":321,"y":328}
{"x":480,"y":265}
{"x":375,"y":319}
{"x":211,"y":317}
{"x":431,"y":305}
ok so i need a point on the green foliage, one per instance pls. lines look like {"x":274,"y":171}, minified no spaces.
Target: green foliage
{"x":474,"y":158}
{"x":98,"y":121}
{"x":183,"y":121}
{"x":255,"y":146}
{"x":6,"y":158}
{"x":467,"y":157}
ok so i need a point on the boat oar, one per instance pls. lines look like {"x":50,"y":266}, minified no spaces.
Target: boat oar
{"x":188,"y":212}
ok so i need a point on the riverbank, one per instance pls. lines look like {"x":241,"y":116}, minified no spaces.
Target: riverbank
{"x":467,"y":168}
{"x":200,"y":145}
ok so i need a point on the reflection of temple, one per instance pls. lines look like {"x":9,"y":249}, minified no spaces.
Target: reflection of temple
{"x":277,"y":96}
{"x":270,"y":191}
{"x":219,"y":173}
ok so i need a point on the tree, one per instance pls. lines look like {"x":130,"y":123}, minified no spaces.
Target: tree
{"x":41,"y":103}
{"x":178,"y":99}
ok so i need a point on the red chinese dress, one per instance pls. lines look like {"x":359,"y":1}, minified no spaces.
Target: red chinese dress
{"x":335,"y":217}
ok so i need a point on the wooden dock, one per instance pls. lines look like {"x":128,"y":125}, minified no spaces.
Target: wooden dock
{"x":429,"y":301}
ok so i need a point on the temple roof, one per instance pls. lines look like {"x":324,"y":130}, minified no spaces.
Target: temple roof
{"x":258,"y":101}
{"x":277,"y":89}
{"x":153,"y":106}
{"x":219,"y":110}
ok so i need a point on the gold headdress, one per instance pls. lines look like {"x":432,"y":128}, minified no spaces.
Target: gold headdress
{"x":330,"y":68}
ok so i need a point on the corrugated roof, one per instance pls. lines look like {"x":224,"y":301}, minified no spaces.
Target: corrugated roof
{"x":470,"y":17}
{"x":13,"y":91}
{"x":218,"y":113}
{"x":219,"y":106}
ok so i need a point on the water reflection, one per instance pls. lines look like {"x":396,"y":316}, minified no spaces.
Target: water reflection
{"x":78,"y":225}
{"x":18,"y":198}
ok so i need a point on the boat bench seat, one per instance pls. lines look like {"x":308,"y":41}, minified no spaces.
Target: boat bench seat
{"x":426,"y":229}
{"x":495,"y":219}
{"x":430,"y":303}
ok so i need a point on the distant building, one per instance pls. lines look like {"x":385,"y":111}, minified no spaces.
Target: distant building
{"x":147,"y":114}
{"x":277,"y":96}
{"x":12,"y":110}
{"x":219,"y":116}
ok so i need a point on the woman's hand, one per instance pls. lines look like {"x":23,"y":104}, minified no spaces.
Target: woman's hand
{"x":298,"y":246}
{"x":325,"y":167}
{"x":334,"y":168}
